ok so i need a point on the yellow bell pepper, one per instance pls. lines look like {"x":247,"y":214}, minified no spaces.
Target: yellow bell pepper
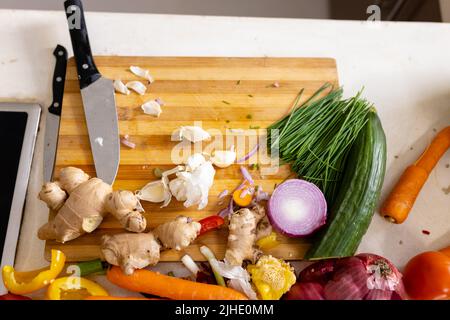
{"x":71,"y":288}
{"x":268,"y":242}
{"x":27,"y":282}
{"x":272,"y":277}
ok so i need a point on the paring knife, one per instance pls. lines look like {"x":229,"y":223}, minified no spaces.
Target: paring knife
{"x":54,"y":111}
{"x":98,"y":98}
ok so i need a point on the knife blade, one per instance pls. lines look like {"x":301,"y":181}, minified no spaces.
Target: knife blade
{"x":98,"y":98}
{"x":54,"y":111}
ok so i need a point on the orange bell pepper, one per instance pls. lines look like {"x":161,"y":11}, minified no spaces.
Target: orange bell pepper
{"x":27,"y":282}
{"x":427,"y":276}
{"x":243,"y":197}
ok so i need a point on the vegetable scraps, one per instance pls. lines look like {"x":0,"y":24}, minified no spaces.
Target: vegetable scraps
{"x":297,"y":208}
{"x":316,"y":136}
{"x":427,"y":276}
{"x":272,"y":277}
{"x":400,"y":201}
{"x":362,"y":277}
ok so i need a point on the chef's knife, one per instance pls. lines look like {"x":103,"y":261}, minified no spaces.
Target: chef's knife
{"x":54,"y":111}
{"x":98,"y":98}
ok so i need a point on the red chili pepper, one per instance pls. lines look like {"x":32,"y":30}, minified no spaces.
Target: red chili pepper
{"x":11,"y":296}
{"x":210,"y":223}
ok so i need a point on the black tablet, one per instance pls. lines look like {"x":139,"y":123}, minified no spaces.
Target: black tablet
{"x":18,"y":128}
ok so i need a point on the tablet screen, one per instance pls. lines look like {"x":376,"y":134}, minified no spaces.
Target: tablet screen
{"x":12,"y":132}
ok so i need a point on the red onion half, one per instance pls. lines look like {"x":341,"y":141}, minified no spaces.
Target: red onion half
{"x":297,"y":208}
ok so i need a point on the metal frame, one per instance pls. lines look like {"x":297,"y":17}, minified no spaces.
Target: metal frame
{"x":23,"y":175}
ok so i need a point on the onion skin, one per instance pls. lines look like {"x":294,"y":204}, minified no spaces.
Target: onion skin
{"x":362,"y":277}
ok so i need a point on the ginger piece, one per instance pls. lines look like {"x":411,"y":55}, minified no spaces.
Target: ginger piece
{"x":177,"y":234}
{"x":263,"y":229}
{"x":130,"y":251}
{"x":52,"y":194}
{"x":88,"y":202}
{"x":124,"y":206}
{"x":82,"y":212}
{"x":71,"y":177}
{"x":242,"y":235}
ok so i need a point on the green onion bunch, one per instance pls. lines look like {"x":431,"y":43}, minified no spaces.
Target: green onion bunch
{"x":315,"y":138}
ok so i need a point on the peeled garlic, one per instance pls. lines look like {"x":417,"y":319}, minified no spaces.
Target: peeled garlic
{"x":152,"y":108}
{"x":142,"y":73}
{"x":191,"y":133}
{"x":120,"y":87}
{"x":137,"y":86}
{"x":224,"y":158}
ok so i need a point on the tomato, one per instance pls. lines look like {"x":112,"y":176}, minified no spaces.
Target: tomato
{"x":427,"y":276}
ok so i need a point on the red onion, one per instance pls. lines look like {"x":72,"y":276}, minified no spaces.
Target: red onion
{"x":246,"y":175}
{"x":223,"y":194}
{"x":362,"y":277}
{"x":261,"y":195}
{"x":297,"y":208}
{"x":249,"y":155}
{"x":127,"y":143}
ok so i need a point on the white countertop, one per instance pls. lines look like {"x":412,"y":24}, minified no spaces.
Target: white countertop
{"x":404,"y":67}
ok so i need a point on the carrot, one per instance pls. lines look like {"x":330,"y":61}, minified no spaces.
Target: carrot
{"x":401,"y":199}
{"x":117,"y":298}
{"x":150,"y":282}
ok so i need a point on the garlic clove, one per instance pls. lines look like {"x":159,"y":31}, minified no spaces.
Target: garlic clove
{"x":155,"y":191}
{"x":120,"y":87}
{"x":137,"y":86}
{"x":143,"y":73}
{"x":152,"y":108}
{"x":223,"y":158}
{"x":191,"y":133}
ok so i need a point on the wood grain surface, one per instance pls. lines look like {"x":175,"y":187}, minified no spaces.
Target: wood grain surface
{"x":228,"y":96}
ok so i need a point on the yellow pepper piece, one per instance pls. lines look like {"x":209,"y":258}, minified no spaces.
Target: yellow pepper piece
{"x":66,"y":287}
{"x":246,"y":199}
{"x":268,"y":242}
{"x":27,"y":282}
{"x":272,"y":277}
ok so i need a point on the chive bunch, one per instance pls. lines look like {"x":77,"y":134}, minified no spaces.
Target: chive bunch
{"x":316,"y":136}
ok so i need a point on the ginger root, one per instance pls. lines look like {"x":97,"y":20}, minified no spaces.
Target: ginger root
{"x":242,"y":236}
{"x":137,"y":251}
{"x":177,"y":234}
{"x":124,"y":206}
{"x":88,"y":202}
{"x":131,"y":251}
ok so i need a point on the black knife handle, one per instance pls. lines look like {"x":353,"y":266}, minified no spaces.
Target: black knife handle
{"x":87,"y":71}
{"x":59,"y":77}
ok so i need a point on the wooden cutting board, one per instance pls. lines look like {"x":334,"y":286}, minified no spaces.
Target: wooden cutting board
{"x":222,"y":93}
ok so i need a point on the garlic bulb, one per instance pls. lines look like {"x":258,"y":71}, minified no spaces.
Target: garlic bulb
{"x":142,"y":73}
{"x":120,"y":87}
{"x":137,"y":86}
{"x":191,"y":133}
{"x":224,"y":158}
{"x":152,"y":108}
{"x":192,"y":186}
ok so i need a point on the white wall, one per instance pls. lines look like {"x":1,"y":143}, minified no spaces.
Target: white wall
{"x":256,"y":8}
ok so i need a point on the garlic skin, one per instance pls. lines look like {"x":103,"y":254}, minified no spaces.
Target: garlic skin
{"x":143,"y":73}
{"x":152,"y":108}
{"x":192,"y":186}
{"x":224,"y":158}
{"x":137,"y":86}
{"x":156,"y":192}
{"x":191,"y":133}
{"x":120,"y":87}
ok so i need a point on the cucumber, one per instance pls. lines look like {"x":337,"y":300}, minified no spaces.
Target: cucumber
{"x":353,"y":209}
